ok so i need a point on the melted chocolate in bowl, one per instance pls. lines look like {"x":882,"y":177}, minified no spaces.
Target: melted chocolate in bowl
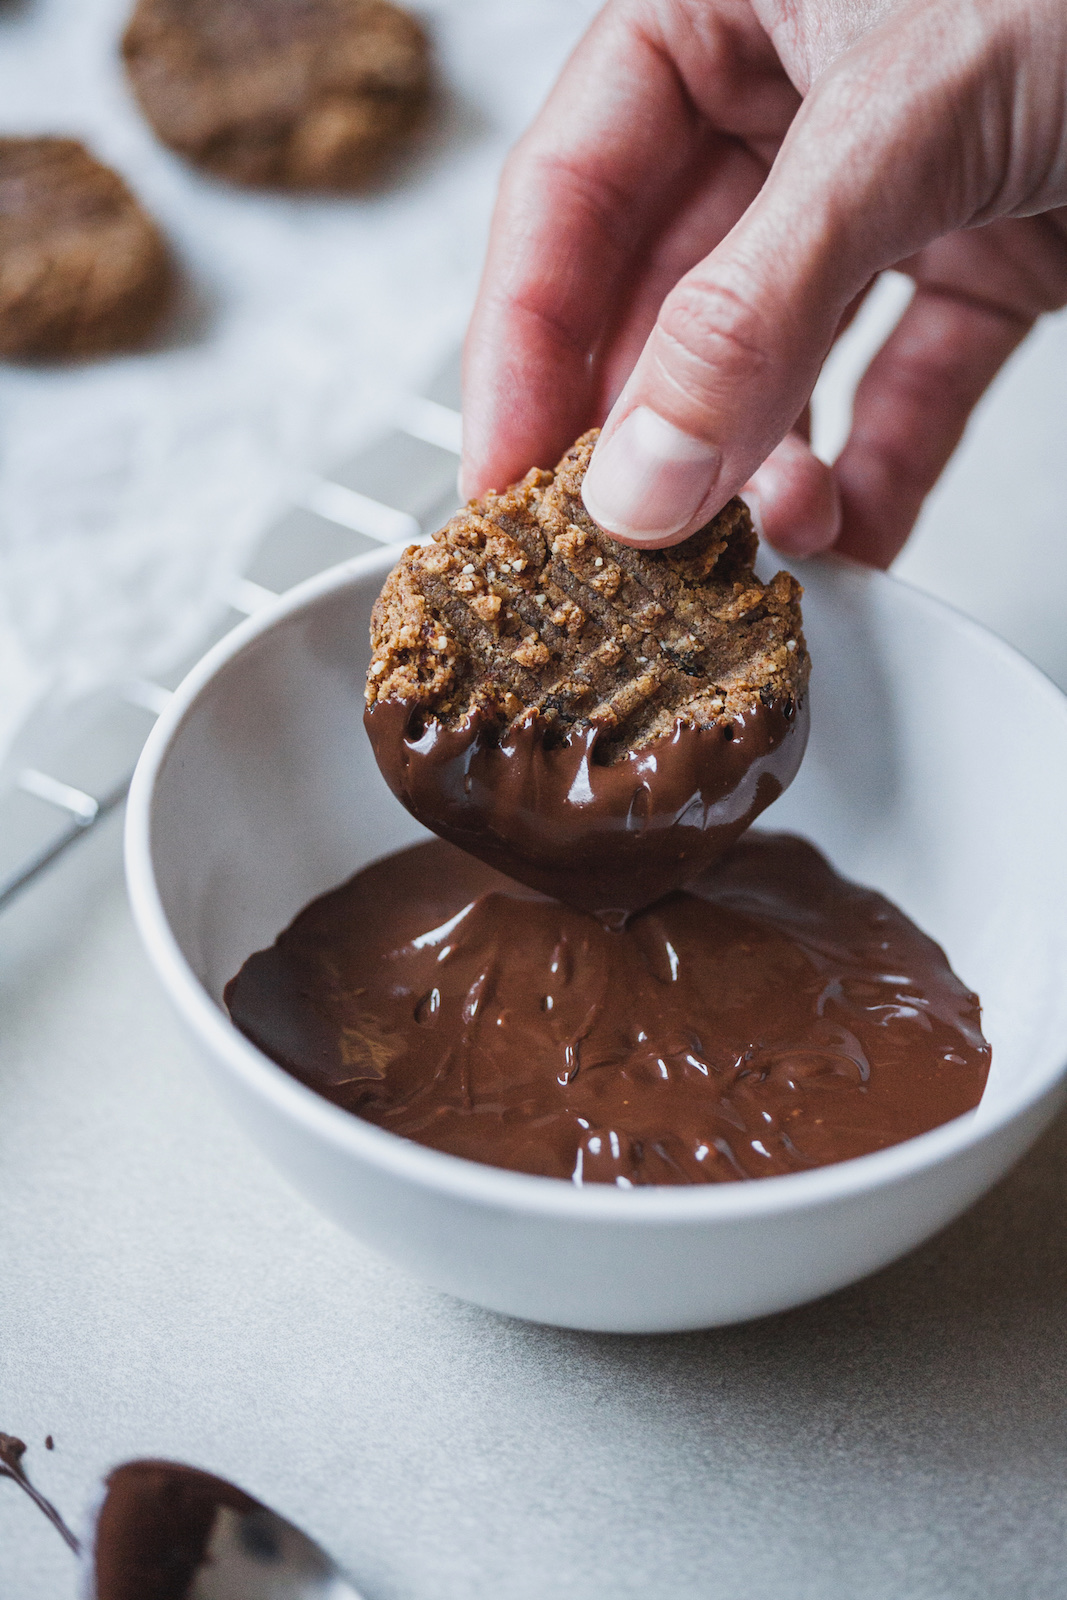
{"x":773,"y":1018}
{"x":549,"y":811}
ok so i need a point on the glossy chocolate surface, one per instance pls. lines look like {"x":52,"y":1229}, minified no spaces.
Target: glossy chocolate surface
{"x":773,"y":1018}
{"x":607,"y":838}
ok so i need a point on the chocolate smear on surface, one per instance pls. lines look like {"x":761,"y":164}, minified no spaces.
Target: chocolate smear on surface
{"x":12,"y":1451}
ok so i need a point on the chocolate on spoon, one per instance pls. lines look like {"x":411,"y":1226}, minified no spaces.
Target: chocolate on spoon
{"x":599,"y":722}
{"x":166,"y":1531}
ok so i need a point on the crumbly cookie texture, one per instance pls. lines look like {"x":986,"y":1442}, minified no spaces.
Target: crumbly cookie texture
{"x":298,"y":94}
{"x":521,"y":604}
{"x":83,"y":269}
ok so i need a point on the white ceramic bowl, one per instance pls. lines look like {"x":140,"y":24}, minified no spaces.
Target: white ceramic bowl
{"x":936,"y":772}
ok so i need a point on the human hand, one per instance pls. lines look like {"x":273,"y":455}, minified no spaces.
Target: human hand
{"x":699,"y":208}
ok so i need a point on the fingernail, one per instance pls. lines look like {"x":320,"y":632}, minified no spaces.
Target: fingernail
{"x":649,"y":478}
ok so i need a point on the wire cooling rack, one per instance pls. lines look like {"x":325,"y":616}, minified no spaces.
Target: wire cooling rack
{"x":397,"y":489}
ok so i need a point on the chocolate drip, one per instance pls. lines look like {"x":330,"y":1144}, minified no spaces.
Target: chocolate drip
{"x":774,"y":1018}
{"x":12,"y":1451}
{"x":607,"y":837}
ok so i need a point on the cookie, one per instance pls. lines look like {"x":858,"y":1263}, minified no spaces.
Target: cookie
{"x":292,"y":94}
{"x":522,"y":604}
{"x":597,"y":721}
{"x":83,"y":269}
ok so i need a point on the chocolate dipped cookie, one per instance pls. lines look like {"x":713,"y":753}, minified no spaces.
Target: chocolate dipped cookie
{"x":598,"y":722}
{"x":83,"y":269}
{"x":292,"y":94}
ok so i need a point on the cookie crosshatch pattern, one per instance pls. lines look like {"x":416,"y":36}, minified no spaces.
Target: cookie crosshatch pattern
{"x":521,"y":603}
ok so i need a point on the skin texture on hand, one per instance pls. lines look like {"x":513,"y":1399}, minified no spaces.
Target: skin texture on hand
{"x":699,"y":210}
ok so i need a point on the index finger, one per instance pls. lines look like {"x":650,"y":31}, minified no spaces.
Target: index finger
{"x":581,"y":196}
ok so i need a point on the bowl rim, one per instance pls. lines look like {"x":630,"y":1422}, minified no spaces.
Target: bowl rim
{"x":474,"y":1182}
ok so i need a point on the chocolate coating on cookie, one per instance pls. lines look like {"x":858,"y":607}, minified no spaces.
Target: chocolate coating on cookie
{"x":297,"y":94}
{"x":597,"y":721}
{"x":83,"y":269}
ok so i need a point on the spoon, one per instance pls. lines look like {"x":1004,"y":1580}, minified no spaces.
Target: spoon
{"x":165,"y":1531}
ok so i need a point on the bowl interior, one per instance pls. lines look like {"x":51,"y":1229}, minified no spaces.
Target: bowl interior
{"x":935,"y":772}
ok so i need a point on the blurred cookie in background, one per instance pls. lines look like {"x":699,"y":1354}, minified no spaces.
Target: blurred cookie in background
{"x":291,"y":94}
{"x":83,"y":268}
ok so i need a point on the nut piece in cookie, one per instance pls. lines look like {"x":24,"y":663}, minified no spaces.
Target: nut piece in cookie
{"x":292,"y":94}
{"x":83,"y":269}
{"x":597,"y":721}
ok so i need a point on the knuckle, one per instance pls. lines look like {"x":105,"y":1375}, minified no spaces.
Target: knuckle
{"x":715,"y":327}
{"x":928,"y":383}
{"x":904,"y":459}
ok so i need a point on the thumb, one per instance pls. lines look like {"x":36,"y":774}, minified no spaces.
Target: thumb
{"x":739,"y":341}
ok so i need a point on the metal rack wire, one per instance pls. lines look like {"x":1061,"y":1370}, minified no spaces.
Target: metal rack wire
{"x":395,"y":490}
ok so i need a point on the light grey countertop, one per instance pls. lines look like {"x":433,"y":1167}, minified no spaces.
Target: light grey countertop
{"x":163,"y":1292}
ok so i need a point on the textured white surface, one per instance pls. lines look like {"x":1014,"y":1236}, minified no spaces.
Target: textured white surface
{"x":163,"y":1291}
